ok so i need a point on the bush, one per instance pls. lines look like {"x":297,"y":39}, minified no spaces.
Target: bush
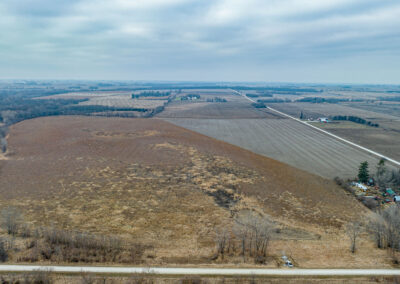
{"x":3,"y":252}
{"x":11,"y":220}
{"x":37,"y":277}
{"x":67,"y":246}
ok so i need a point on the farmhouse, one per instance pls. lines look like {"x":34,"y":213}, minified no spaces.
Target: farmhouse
{"x":323,"y":119}
{"x":361,"y":186}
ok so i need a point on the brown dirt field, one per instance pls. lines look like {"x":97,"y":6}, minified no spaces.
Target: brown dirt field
{"x":383,"y":141}
{"x":385,"y":120}
{"x":151,"y":181}
{"x":226,"y":110}
{"x":287,"y":141}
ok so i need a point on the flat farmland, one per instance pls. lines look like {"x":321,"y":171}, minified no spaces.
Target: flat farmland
{"x":324,"y":109}
{"x":383,"y":141}
{"x":123,"y":102}
{"x":391,"y":108}
{"x":205,"y":110}
{"x":287,"y":141}
{"x":118,"y":99}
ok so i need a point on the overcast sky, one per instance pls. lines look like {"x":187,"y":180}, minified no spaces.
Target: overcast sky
{"x":350,"y":41}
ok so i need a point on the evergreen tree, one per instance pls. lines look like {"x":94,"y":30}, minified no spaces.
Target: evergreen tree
{"x":363,"y":173}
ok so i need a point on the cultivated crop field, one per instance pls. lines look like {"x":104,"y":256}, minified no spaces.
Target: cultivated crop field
{"x":205,"y":110}
{"x":124,"y":102}
{"x":325,"y":109}
{"x":287,"y":141}
{"x":383,"y":139}
{"x":117,"y":99}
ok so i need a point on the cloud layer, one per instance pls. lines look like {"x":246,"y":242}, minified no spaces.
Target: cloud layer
{"x":230,"y":40}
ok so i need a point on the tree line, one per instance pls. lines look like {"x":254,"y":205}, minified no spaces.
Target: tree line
{"x":151,"y":94}
{"x":355,"y":119}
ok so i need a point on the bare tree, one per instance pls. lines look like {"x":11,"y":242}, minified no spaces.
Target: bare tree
{"x":353,"y":230}
{"x":381,"y":170}
{"x":221,"y":239}
{"x":392,"y":223}
{"x":254,"y":232}
{"x":3,"y":251}
{"x":11,"y":219}
{"x":261,"y":228}
{"x":3,"y":144}
{"x":241,"y":230}
{"x":377,"y":227}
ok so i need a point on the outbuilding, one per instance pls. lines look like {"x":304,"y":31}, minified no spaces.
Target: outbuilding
{"x":390,"y":191}
{"x":323,"y":119}
{"x":361,"y":186}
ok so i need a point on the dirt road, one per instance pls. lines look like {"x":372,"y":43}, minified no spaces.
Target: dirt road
{"x":201,"y":271}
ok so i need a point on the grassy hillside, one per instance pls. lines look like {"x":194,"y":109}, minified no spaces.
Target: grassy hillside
{"x":170,"y":189}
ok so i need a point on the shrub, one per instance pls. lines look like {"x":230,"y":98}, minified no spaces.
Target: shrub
{"x":3,"y":252}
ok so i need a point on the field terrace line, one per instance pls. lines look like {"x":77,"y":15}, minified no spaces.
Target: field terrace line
{"x":397,"y":163}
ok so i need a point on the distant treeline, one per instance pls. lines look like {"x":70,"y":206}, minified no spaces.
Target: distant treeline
{"x":279,"y":89}
{"x":390,"y":99}
{"x":274,"y":101}
{"x":317,"y":100}
{"x":355,"y":119}
{"x":258,"y":105}
{"x":151,"y":94}
{"x":217,"y":100}
{"x":259,"y":95}
{"x":288,"y":90}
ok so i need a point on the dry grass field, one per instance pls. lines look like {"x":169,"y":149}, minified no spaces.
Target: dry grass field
{"x":170,"y":188}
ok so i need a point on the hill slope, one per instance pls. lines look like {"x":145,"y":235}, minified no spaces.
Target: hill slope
{"x":156,"y":182}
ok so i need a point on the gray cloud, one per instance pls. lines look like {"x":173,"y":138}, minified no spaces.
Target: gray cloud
{"x":243,"y":40}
